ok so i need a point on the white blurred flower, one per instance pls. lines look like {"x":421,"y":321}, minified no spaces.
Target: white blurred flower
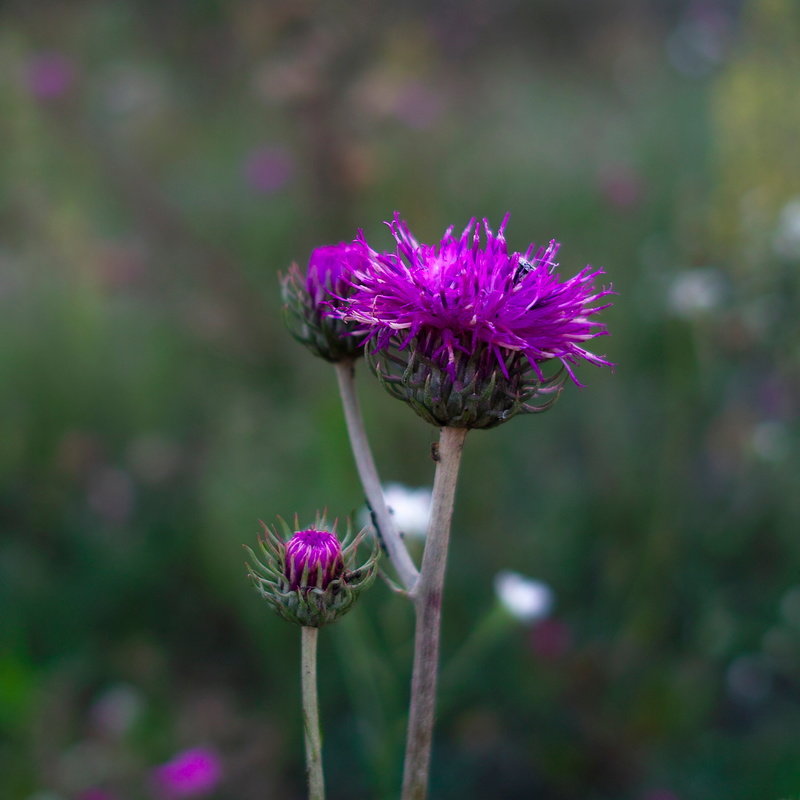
{"x":769,"y":441}
{"x":749,"y":679}
{"x":131,"y":90}
{"x":524,"y":598}
{"x":696,"y":291}
{"x":699,"y":41}
{"x":790,"y":606}
{"x":117,"y":709}
{"x":410,"y":508}
{"x":786,"y":240}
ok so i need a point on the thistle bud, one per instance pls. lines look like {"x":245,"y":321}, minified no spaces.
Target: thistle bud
{"x":308,"y":576}
{"x":310,"y":300}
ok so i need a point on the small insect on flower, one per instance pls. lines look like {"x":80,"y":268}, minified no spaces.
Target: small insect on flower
{"x":309,"y":300}
{"x":308,"y":576}
{"x":460,"y":330}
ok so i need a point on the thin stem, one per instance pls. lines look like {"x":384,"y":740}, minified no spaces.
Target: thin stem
{"x":367,"y":471}
{"x":308,"y":671}
{"x":427,"y":596}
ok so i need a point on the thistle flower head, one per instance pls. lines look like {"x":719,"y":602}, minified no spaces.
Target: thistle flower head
{"x":461,"y":329}
{"x":310,"y":299}
{"x":308,"y":576}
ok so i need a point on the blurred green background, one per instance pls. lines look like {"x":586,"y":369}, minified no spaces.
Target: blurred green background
{"x":162,"y":162}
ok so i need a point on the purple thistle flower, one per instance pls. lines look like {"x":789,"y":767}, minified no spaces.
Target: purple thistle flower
{"x":464,"y":295}
{"x":192,"y":773}
{"x":479,"y":317}
{"x":268,"y":169}
{"x":310,"y":299}
{"x":313,"y":559}
{"x":50,"y":76}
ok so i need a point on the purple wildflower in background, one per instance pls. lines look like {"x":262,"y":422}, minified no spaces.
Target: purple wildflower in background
{"x":310,"y":299}
{"x":418,"y":105}
{"x":477,"y":314}
{"x":97,"y":794}
{"x":192,"y":773}
{"x":268,"y":169}
{"x":49,"y":75}
{"x":660,"y":794}
{"x":313,"y":559}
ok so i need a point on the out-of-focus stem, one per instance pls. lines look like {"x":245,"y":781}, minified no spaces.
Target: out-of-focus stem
{"x":367,"y":471}
{"x":427,"y":596}
{"x":308,"y":670}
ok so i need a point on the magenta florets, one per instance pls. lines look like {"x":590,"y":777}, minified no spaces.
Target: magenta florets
{"x":472,"y":297}
{"x":313,"y":559}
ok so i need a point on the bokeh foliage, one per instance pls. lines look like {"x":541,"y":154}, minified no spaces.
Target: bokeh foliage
{"x":154,"y":407}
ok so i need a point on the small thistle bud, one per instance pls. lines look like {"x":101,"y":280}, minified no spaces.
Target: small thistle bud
{"x":308,"y":576}
{"x":309,"y":301}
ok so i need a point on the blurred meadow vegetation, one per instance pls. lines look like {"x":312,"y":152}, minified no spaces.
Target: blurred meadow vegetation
{"x":162,"y":162}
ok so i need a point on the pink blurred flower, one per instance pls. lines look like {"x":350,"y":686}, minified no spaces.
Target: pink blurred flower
{"x":418,"y":106}
{"x":192,"y":773}
{"x":268,"y":169}
{"x":660,"y":794}
{"x":97,"y":794}
{"x":620,"y":186}
{"x":49,"y":76}
{"x":551,"y":639}
{"x":111,"y":494}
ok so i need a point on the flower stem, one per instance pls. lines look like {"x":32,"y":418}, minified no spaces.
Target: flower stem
{"x":308,"y":670}
{"x":367,"y":471}
{"x":427,"y":596}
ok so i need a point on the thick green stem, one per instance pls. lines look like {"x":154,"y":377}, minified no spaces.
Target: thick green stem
{"x":308,"y":669}
{"x":427,"y":596}
{"x":368,"y":472}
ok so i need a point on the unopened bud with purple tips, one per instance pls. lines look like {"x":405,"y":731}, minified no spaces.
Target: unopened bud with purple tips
{"x":313,"y":559}
{"x":310,"y":299}
{"x":309,"y":577}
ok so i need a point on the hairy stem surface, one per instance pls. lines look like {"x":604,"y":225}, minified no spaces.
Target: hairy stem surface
{"x":367,"y":471}
{"x":308,"y":671}
{"x":427,"y":596}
